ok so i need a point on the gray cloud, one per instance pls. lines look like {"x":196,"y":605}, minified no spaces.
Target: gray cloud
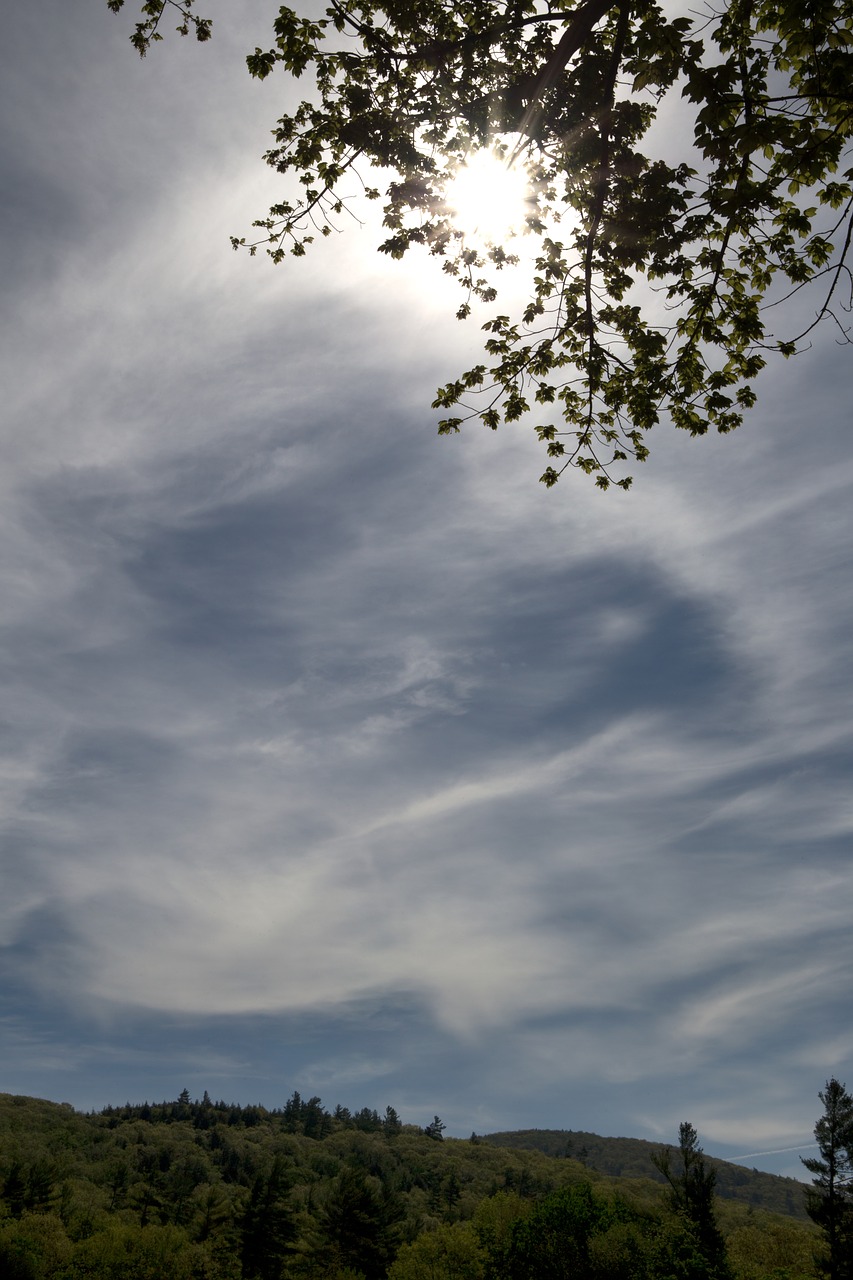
{"x":334,"y":756}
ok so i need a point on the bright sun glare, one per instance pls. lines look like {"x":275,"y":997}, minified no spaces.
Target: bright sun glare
{"x":488,"y":199}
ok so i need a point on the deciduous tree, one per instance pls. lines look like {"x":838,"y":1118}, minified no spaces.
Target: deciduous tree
{"x":689,"y":170}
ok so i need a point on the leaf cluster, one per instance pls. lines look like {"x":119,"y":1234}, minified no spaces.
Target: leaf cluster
{"x":146,"y":32}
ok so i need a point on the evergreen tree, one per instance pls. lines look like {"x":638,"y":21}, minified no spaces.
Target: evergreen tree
{"x":360,"y":1226}
{"x":15,"y":1189}
{"x":830,"y":1200}
{"x":691,"y":1196}
{"x":268,"y":1226}
{"x":293,"y":1113}
{"x":316,"y":1121}
{"x":435,"y":1129}
{"x":343,"y":1115}
{"x":391,"y":1124}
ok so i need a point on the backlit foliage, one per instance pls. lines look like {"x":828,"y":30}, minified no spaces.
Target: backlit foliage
{"x":667,"y":260}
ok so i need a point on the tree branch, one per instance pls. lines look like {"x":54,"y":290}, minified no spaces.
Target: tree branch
{"x":570,"y":42}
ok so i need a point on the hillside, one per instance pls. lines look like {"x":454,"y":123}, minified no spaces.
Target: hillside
{"x":632,"y":1158}
{"x":188,"y":1189}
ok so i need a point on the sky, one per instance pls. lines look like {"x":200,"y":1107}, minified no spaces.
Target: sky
{"x":345,"y":758}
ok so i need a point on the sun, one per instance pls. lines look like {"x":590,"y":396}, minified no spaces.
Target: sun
{"x":487,"y":198}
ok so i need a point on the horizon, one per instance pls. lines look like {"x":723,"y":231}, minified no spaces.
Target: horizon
{"x":800,"y":1176}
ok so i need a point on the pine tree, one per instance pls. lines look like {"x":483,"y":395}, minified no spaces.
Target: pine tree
{"x":435,"y":1129}
{"x":830,"y":1200}
{"x":391,"y":1123}
{"x":359,"y":1225}
{"x":692,"y":1198}
{"x":268,"y":1229}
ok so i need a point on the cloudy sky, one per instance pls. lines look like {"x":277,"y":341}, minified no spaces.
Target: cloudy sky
{"x":343,"y":758}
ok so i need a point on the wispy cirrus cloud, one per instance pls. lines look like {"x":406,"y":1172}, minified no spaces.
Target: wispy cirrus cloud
{"x":334,"y":756}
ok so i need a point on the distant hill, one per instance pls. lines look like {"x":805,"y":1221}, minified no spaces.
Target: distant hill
{"x":631,"y":1158}
{"x":186,"y":1188}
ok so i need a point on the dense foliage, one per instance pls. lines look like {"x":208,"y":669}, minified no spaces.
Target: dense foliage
{"x":655,"y":251}
{"x":208,"y":1190}
{"x":634,"y":1158}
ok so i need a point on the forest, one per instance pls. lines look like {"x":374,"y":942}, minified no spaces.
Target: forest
{"x":207,"y":1190}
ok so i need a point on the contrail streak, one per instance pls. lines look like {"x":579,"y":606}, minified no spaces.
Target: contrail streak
{"x":777,"y":1151}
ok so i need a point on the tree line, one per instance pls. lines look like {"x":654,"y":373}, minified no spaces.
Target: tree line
{"x":208,"y":1190}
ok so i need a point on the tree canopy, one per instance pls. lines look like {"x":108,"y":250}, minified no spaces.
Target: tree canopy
{"x":187,"y":1189}
{"x":690,"y":204}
